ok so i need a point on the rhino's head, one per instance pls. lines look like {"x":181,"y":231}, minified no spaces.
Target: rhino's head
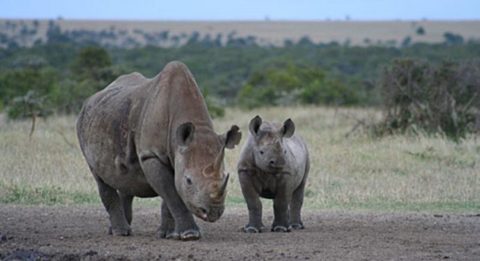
{"x":269,"y":151}
{"x":200,"y":178}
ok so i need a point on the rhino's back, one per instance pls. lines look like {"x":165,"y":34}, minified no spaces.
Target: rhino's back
{"x":110,"y":106}
{"x":104,"y":128}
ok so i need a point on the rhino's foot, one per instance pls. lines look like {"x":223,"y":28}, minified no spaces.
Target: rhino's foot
{"x":167,"y":233}
{"x":191,"y":234}
{"x":187,"y":235}
{"x":297,"y":226}
{"x":120,"y":231}
{"x":172,"y":235}
{"x":278,"y":228}
{"x":251,"y":229}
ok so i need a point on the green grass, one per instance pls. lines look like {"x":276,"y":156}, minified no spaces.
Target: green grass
{"x":358,"y":172}
{"x":48,"y":195}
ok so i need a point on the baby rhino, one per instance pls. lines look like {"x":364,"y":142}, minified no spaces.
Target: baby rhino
{"x":274,"y":164}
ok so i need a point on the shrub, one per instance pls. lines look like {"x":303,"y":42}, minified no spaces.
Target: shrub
{"x":89,"y":63}
{"x":30,"y":105}
{"x":17,"y":82}
{"x":441,"y":98}
{"x":452,"y":39}
{"x":213,"y":106}
{"x":292,"y":84}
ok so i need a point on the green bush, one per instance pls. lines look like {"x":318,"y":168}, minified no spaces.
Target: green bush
{"x":27,"y":92}
{"x":441,"y":98}
{"x":89,"y":63}
{"x":213,"y":106}
{"x":290,"y":84}
{"x":17,"y":82}
{"x":328,"y":92}
{"x":29,"y":105}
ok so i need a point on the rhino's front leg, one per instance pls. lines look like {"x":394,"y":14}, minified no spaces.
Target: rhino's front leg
{"x":296,"y":207}
{"x":280,"y":210}
{"x":255,"y":224}
{"x":167,"y":225}
{"x":161,"y":178}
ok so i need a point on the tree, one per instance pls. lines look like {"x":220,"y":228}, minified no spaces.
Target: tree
{"x":30,"y":105}
{"x":90,"y":62}
{"x":18,"y":82}
{"x":407,"y":41}
{"x":452,"y":39}
{"x":420,"y":31}
{"x":90,"y":72}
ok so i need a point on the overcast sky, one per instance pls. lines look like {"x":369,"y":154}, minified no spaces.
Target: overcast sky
{"x":242,"y":10}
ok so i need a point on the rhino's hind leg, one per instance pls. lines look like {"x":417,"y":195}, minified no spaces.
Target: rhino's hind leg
{"x":113,"y":205}
{"x":127,"y":206}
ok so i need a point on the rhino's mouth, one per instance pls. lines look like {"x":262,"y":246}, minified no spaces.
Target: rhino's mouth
{"x":276,"y":168}
{"x":273,"y":169}
{"x":211,"y":215}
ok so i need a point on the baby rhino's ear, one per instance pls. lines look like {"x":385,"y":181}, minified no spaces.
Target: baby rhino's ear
{"x":288,"y":129}
{"x":232,"y":137}
{"x":255,"y":125}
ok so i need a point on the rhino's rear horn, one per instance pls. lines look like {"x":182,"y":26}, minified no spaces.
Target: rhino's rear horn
{"x":219,"y":160}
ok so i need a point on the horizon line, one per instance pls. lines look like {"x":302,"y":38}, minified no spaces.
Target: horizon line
{"x":242,"y":20}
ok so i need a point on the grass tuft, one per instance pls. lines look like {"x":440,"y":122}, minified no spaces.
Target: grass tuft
{"x":48,"y":195}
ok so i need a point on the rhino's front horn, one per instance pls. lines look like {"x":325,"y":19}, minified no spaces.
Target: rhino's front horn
{"x":224,"y":185}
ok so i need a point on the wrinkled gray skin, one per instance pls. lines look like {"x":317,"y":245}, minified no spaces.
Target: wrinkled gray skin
{"x":154,"y":137}
{"x":274,"y":164}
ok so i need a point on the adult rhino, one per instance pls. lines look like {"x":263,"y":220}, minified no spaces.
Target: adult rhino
{"x":154,"y":137}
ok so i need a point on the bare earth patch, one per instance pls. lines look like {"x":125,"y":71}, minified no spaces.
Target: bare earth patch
{"x":80,"y":232}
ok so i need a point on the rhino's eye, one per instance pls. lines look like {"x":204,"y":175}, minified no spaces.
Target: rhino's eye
{"x":189,"y":181}
{"x":284,"y":151}
{"x":261,"y":152}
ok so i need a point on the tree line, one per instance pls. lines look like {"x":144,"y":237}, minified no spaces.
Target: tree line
{"x":57,"y":75}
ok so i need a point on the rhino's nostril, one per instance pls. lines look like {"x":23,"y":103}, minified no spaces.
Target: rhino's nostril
{"x":203,"y":210}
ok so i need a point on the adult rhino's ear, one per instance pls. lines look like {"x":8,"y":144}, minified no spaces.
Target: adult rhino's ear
{"x":287,"y":129}
{"x":255,"y":125}
{"x":232,"y":137}
{"x":184,"y":134}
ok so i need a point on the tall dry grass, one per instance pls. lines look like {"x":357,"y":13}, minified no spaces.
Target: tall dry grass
{"x":423,"y":172}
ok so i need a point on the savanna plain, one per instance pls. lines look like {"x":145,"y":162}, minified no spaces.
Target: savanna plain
{"x":399,"y":197}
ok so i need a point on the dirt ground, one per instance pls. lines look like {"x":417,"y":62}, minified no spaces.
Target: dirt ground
{"x":80,"y":233}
